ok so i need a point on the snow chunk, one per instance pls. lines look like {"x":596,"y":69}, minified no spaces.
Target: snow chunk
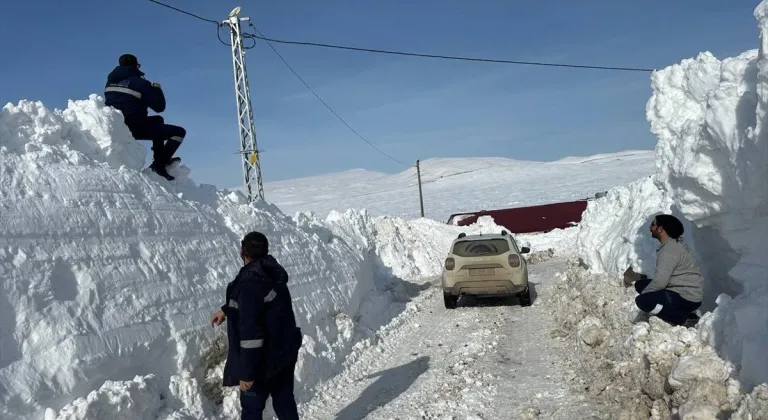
{"x":86,"y":130}
{"x":693,"y":368}
{"x":614,"y":231}
{"x":754,"y":405}
{"x":697,"y":410}
{"x":137,"y":399}
{"x":591,"y":331}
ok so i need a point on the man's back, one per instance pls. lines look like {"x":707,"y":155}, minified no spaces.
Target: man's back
{"x":127,"y":90}
{"x":283,"y":336}
{"x":260,"y":311}
{"x":685,"y":278}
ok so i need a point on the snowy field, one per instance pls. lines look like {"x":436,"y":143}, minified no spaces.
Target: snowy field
{"x":461,"y":185}
{"x":109,"y":274}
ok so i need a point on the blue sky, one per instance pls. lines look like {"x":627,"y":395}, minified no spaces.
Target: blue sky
{"x":409,"y":107}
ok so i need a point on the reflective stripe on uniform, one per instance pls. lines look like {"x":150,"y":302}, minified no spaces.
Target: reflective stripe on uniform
{"x":177,"y":138}
{"x":233,"y":304}
{"x":251,"y":344}
{"x":123,"y":90}
{"x":270,"y":296}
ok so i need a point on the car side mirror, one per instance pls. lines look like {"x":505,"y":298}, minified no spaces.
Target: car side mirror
{"x":525,"y":250}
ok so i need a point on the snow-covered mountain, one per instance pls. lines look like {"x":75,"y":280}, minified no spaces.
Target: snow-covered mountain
{"x":482,"y":183}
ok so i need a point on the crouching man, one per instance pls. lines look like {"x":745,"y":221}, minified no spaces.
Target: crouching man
{"x":263,"y":338}
{"x":677,"y":287}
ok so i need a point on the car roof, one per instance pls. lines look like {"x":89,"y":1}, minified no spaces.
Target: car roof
{"x":483,"y":236}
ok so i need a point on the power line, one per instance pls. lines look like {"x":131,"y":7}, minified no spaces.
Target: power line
{"x":448,"y":57}
{"x":261,"y":36}
{"x":185,"y":12}
{"x":218,"y":24}
{"x":218,"y":35}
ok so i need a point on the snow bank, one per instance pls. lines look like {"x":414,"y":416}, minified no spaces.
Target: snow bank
{"x":711,"y":120}
{"x":109,"y":275}
{"x":658,"y":372}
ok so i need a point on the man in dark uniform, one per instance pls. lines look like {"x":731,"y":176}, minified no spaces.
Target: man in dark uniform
{"x":263,"y":338}
{"x":128,"y":91}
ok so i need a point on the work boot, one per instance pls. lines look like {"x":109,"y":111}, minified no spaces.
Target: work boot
{"x":692,"y":320}
{"x":161,"y":170}
{"x":171,"y":146}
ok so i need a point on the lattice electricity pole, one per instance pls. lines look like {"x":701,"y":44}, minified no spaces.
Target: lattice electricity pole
{"x":248,"y":148}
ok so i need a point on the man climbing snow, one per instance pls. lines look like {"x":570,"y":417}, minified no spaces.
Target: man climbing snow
{"x":263,"y":338}
{"x":129,"y":92}
{"x":677,"y":287}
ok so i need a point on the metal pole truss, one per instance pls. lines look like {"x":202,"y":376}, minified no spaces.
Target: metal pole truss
{"x":249,"y":150}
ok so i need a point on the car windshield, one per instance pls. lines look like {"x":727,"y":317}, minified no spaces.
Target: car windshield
{"x":481,"y":247}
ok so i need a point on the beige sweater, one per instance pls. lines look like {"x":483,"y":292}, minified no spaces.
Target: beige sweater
{"x":677,"y":271}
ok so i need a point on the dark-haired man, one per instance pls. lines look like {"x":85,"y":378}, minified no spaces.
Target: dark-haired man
{"x":129,"y":92}
{"x":677,"y":287}
{"x":263,"y":338}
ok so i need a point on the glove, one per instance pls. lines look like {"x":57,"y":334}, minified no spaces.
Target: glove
{"x":157,"y":85}
{"x":630,"y":277}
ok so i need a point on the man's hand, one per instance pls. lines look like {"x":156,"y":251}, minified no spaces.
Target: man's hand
{"x":245,"y":386}
{"x":157,"y":85}
{"x":218,"y":318}
{"x":630,"y":277}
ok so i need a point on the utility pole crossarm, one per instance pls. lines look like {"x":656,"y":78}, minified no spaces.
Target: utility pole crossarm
{"x":249,"y":150}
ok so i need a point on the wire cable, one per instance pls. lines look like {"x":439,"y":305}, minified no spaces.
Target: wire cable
{"x":448,"y":57}
{"x":185,"y":12}
{"x":219,"y":25}
{"x":245,"y":47}
{"x":261,"y":36}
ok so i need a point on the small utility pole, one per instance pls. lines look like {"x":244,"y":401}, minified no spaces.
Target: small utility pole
{"x":249,"y":150}
{"x":421,"y":197}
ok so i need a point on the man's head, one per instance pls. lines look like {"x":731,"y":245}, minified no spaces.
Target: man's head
{"x":128,"y":60}
{"x":665,"y":226}
{"x":253,"y":246}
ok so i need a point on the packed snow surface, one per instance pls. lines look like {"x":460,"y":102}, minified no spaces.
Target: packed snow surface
{"x":711,"y":120}
{"x":487,"y":359}
{"x":483,"y":183}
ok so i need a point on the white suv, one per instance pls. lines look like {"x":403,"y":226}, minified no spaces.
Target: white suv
{"x":485,"y":265}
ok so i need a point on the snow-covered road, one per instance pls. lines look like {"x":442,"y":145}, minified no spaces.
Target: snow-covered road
{"x":488,"y":359}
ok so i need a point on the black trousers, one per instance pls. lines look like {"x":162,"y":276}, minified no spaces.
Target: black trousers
{"x":166,"y":138}
{"x":280,"y":388}
{"x":668,"y":306}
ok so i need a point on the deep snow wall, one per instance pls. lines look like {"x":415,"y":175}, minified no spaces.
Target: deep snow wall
{"x":110,"y":273}
{"x":712,"y":170}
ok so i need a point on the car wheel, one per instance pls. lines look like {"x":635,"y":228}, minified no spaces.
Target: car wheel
{"x":525,"y":297}
{"x":450,"y":300}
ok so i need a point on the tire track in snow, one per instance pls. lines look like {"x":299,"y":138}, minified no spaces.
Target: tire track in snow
{"x":487,"y":359}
